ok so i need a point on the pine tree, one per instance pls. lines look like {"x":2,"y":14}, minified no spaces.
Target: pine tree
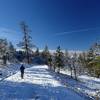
{"x":82,"y":62}
{"x":26,"y":43}
{"x":90,"y":54}
{"x":50,"y":61}
{"x":66,"y":57}
{"x":90,"y":58}
{"x":37,"y":52}
{"x":46,"y":54}
{"x":96,"y":48}
{"x":59,"y":59}
{"x":97,"y":66}
{"x":11,"y":51}
{"x":3,"y":46}
{"x":74,"y":62}
{"x":94,"y":61}
{"x":3,"y":50}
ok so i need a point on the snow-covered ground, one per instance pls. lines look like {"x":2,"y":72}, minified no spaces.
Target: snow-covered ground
{"x":38,"y":84}
{"x":10,"y":69}
{"x":85,"y":84}
{"x":91,"y":84}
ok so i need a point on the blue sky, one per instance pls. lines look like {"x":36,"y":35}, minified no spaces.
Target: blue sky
{"x":73,"y":24}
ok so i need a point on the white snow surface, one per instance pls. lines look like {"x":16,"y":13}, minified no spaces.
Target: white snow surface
{"x":86,"y":84}
{"x":38,"y":84}
{"x":10,"y":69}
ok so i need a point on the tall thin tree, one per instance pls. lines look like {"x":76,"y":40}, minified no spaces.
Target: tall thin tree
{"x":26,"y":43}
{"x":59,"y":59}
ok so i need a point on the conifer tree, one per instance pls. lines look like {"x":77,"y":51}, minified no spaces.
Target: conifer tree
{"x":74,"y":62}
{"x":66,"y":57}
{"x":90,"y":58}
{"x":37,"y":52}
{"x":11,"y":51}
{"x":46,"y":54}
{"x":59,"y":59}
{"x":82,"y":62}
{"x":94,"y":61}
{"x":3,"y":47}
{"x":26,"y":43}
{"x":50,"y":61}
{"x":3,"y":50}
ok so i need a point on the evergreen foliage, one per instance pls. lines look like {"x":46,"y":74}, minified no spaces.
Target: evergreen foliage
{"x":59,"y":59}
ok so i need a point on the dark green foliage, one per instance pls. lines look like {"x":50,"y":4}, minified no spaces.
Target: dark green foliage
{"x":20,"y":55}
{"x":90,"y":54}
{"x":93,"y":60}
{"x":59,"y":59}
{"x":95,"y":67}
{"x":50,"y":61}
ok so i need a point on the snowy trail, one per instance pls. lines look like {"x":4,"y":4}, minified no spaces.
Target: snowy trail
{"x":38,"y":84}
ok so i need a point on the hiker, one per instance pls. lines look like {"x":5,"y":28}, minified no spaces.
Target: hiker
{"x":22,"y":71}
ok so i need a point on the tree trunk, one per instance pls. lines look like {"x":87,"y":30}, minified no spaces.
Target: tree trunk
{"x":71,"y":73}
{"x":75,"y":72}
{"x":58,"y":71}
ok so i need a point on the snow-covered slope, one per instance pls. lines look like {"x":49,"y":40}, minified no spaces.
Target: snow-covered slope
{"x":38,"y":84}
{"x":10,"y":69}
{"x":86,"y":84}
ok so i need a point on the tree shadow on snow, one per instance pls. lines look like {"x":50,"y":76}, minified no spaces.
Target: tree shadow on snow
{"x":16,"y":90}
{"x":27,"y":91}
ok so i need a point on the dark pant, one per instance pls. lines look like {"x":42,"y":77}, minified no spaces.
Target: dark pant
{"x":22,"y":75}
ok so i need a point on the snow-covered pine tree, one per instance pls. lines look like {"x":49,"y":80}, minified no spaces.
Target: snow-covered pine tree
{"x":11,"y":52}
{"x":90,"y":54}
{"x":3,"y":50}
{"x":3,"y":46}
{"x":59,"y":63}
{"x":96,"y":48}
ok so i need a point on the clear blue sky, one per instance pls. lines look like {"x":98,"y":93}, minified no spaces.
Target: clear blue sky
{"x":73,"y":24}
